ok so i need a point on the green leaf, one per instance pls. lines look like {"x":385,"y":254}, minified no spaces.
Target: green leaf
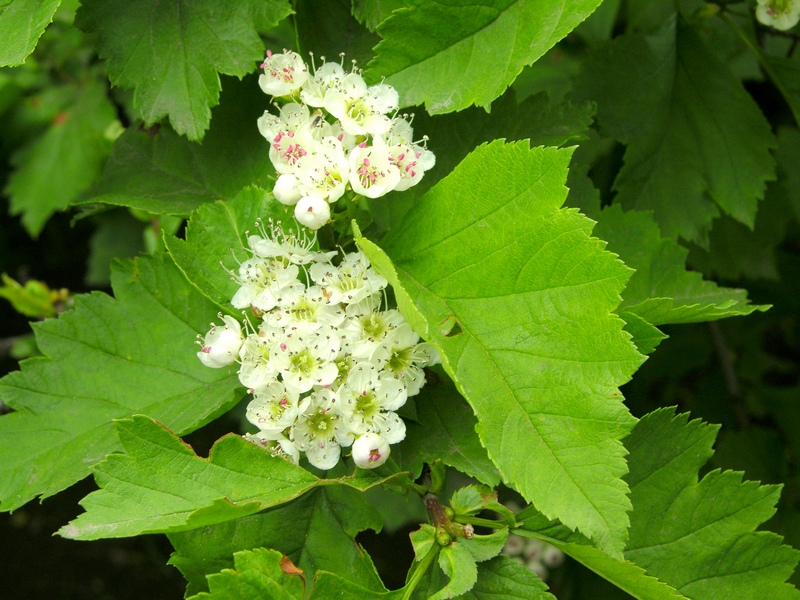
{"x":460,"y":567}
{"x":537,"y":353}
{"x":118,"y":235}
{"x":680,"y":111}
{"x":645,"y":336}
{"x":162,"y":173}
{"x":662,"y":290}
{"x":736,"y":252}
{"x":624,"y":574}
{"x":172,"y":53}
{"x":215,"y":234}
{"x":452,"y":55}
{"x":485,"y":547}
{"x":372,"y":13}
{"x":688,"y":538}
{"x":329,"y":29}
{"x":329,"y":586}
{"x":238,"y":479}
{"x":445,"y":430}
{"x":453,"y":136}
{"x":258,"y":574}
{"x":61,"y":164}
{"x":305,"y":530}
{"x":107,"y":359}
{"x":712,"y":520}
{"x":504,"y":579}
{"x":22,"y":22}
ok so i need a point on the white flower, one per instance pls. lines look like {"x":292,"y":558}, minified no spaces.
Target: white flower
{"x":306,"y":360}
{"x":400,"y":133}
{"x":290,"y":146}
{"x":319,"y":430}
{"x":312,"y":212}
{"x":306,"y":312}
{"x":287,"y":190}
{"x":264,"y":282}
{"x":368,"y":331}
{"x":284,"y":74}
{"x":352,"y":281}
{"x":269,"y":125}
{"x":370,"y":451}
{"x":273,"y":407}
{"x":407,"y":162}
{"x":362,"y":110}
{"x":328,"y":76}
{"x":257,"y":370}
{"x":221,"y":345}
{"x":295,"y":247}
{"x":402,"y":356}
{"x":367,"y":401}
{"x":780,"y":14}
{"x":372,"y":173}
{"x":324,"y":173}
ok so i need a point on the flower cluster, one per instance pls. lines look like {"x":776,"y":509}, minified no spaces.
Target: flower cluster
{"x":536,"y":555}
{"x":327,"y":368}
{"x":333,"y":134}
{"x":780,"y":14}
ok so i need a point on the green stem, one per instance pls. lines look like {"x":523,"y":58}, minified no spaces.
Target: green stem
{"x":420,"y":570}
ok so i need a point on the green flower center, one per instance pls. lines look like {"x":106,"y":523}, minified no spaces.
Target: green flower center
{"x":400,"y":360}
{"x":367,"y":405}
{"x":374,"y":326}
{"x":304,"y":310}
{"x":321,"y":423}
{"x":304,"y":363}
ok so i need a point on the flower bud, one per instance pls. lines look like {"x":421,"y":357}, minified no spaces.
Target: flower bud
{"x":286,"y":190}
{"x":312,"y":212}
{"x":370,"y":451}
{"x":221,"y":344}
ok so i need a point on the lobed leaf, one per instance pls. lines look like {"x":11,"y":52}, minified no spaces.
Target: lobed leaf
{"x":688,"y":538}
{"x":61,"y":164}
{"x":712,"y":520}
{"x":215,"y":235}
{"x":697,"y":142}
{"x":329,"y":585}
{"x":259,"y":573}
{"x":107,"y":359}
{"x":537,"y":351}
{"x":504,"y":579}
{"x":453,"y":136}
{"x":238,"y":479}
{"x":451,"y":55}
{"x":662,"y":290}
{"x":305,"y":530}
{"x":461,"y":570}
{"x":160,"y":172}
{"x":445,"y":430}
{"x":22,"y":22}
{"x":646,"y":337}
{"x":372,"y":13}
{"x":172,"y":53}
